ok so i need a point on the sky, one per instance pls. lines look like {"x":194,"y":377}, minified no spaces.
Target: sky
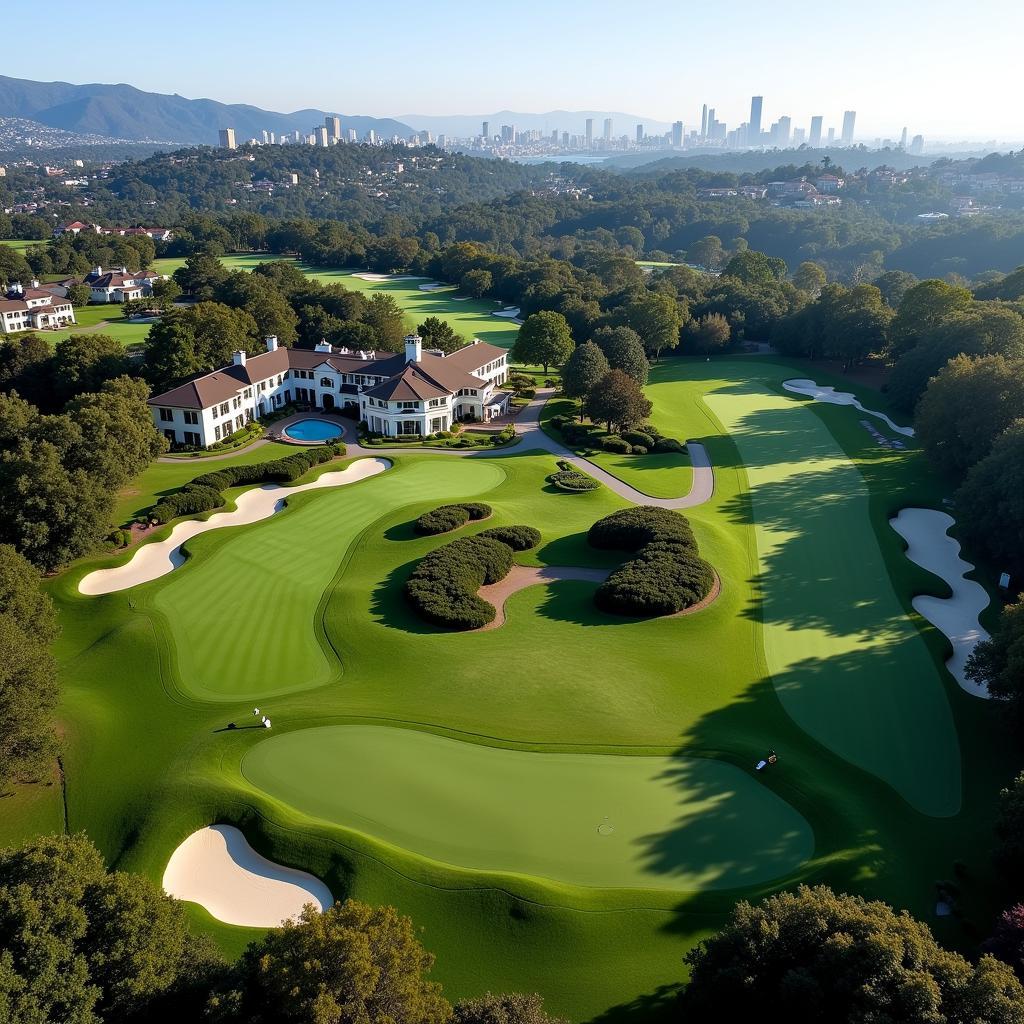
{"x":942,"y":68}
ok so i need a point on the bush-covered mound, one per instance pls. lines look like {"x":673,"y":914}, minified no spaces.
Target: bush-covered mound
{"x":204,"y":492}
{"x":443,"y":587}
{"x":568,"y":478}
{"x":666,"y":573}
{"x":446,"y":518}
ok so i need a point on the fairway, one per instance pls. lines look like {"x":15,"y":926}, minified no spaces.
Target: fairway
{"x":268,"y":581}
{"x":847,"y":663}
{"x":587,"y":819}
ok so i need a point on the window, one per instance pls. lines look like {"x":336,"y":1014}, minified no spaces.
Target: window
{"x":192,"y":438}
{"x":239,"y":422}
{"x":166,"y":415}
{"x":279,"y":378}
{"x":236,"y":402}
{"x":408,"y":405}
{"x":216,"y":432}
{"x":224,"y":409}
{"x":191,"y":416}
{"x":326,"y":382}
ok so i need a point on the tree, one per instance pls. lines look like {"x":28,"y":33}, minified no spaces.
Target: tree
{"x":201,"y":276}
{"x":13,"y":267}
{"x":707,"y":252}
{"x":856,"y":324}
{"x":990,"y":503}
{"x":25,"y":366}
{"x":352,"y":964}
{"x":263,"y":301}
{"x":815,"y":955}
{"x":752,"y":267}
{"x":617,"y":401}
{"x":810,"y":278}
{"x":168,"y":290}
{"x":84,"y":362}
{"x":79,"y":295}
{"x":582,"y":370}
{"x":83,"y":946}
{"x":1009,"y":854}
{"x":514,"y":1008}
{"x":1007,"y":941}
{"x":922,"y":307}
{"x":384,"y":316}
{"x":967,"y":405}
{"x":893,"y":285}
{"x":711,"y":333}
{"x":656,"y":318}
{"x":624,"y":351}
{"x":476,"y":283}
{"x":21,"y":599}
{"x":544,"y":338}
{"x":998,"y":662}
{"x":438,"y":333}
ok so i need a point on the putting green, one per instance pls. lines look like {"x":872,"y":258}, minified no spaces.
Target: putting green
{"x":588,"y":819}
{"x":847,"y":662}
{"x":263,"y":585}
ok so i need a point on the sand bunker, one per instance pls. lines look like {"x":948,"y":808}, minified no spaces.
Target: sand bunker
{"x":931,"y":547}
{"x":378,"y":278}
{"x":151,"y":561}
{"x":822,"y":393}
{"x":218,"y":869}
{"x":511,"y":312}
{"x":432,"y":287}
{"x":522,"y":576}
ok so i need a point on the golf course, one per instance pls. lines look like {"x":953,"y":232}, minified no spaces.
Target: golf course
{"x":569,"y":802}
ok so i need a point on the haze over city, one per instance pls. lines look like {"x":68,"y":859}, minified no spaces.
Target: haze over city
{"x":888,"y":62}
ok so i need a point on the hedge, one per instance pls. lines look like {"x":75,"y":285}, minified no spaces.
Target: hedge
{"x":616,"y":444}
{"x":638,"y":437}
{"x":666,"y":573}
{"x":568,"y":478}
{"x":668,"y":444}
{"x":443,"y":587}
{"x":204,"y":492}
{"x":518,"y":538}
{"x":446,"y":518}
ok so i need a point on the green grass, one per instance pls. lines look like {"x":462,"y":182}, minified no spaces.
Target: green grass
{"x":21,"y":245}
{"x":812,"y":649}
{"x":590,"y":819}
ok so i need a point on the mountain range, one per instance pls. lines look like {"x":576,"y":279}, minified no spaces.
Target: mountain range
{"x":573,"y":121}
{"x":124,"y":112}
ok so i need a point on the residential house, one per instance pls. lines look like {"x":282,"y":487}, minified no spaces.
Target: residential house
{"x":33,"y":309}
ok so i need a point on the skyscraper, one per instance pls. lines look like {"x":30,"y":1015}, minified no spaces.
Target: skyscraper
{"x":903,"y":139}
{"x":785,"y":129}
{"x":607,"y":129}
{"x":704,"y":122}
{"x":831,"y":136}
{"x":590,"y":132}
{"x":814,"y":141}
{"x":333,"y":124}
{"x":754,"y":128}
{"x":639,"y":134}
{"x":677,"y":134}
{"x":485,"y":129}
{"x":321,"y":136}
{"x":917,"y":145}
{"x":351,"y":135}
{"x":849,"y":118}
{"x":227,"y":138}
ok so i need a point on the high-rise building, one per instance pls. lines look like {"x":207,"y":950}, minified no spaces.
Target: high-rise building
{"x":485,"y":129}
{"x":320,"y":136}
{"x":814,"y":141}
{"x":639,"y":134}
{"x":590,"y":132}
{"x":265,"y":137}
{"x":352,"y":137}
{"x":333,"y":125}
{"x":227,"y":138}
{"x":785,"y":130}
{"x":677,"y":134}
{"x":903,"y":139}
{"x":371,"y":137}
{"x":917,"y":145}
{"x":508,"y":133}
{"x":565,"y":140}
{"x":799,"y":136}
{"x":704,"y":122}
{"x":849,"y":119}
{"x":831,"y":136}
{"x":607,"y":129}
{"x":754,"y":127}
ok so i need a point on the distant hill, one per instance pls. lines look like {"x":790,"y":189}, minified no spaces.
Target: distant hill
{"x":573,"y":121}
{"x":124,"y":112}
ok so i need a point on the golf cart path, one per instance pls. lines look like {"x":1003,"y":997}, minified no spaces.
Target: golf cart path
{"x":930,"y":546}
{"x":158,"y":558}
{"x":218,"y":869}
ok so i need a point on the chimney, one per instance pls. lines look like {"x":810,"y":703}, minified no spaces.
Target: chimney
{"x":238,"y":358}
{"x":271,"y":340}
{"x":322,"y":346}
{"x":35,"y":282}
{"x":98,"y":271}
{"x":413,"y":348}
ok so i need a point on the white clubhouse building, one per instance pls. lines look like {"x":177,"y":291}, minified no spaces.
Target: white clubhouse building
{"x":415,"y":392}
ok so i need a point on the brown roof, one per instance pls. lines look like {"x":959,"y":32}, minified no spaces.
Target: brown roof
{"x":411,"y":384}
{"x":473,"y":356}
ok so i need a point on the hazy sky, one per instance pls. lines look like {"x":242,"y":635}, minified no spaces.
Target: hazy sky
{"x":941,"y":67}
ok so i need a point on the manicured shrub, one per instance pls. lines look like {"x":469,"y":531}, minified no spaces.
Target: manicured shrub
{"x":650,"y":430}
{"x":616,"y":445}
{"x":188,"y":501}
{"x":477,"y":509}
{"x":577,"y":433}
{"x":666,"y":573}
{"x":638,"y":437}
{"x":518,"y":538}
{"x":558,"y":421}
{"x":445,"y":518}
{"x":528,"y":393}
{"x":639,"y":449}
{"x":668,"y":444}
{"x":573,"y":480}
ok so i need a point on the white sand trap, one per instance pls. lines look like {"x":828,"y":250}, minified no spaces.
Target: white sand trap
{"x":151,"y":561}
{"x":931,"y":547}
{"x":511,"y":312}
{"x":432,"y":287}
{"x":378,"y":278}
{"x":822,"y":393}
{"x":218,"y":869}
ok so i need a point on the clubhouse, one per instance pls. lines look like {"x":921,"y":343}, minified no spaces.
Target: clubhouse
{"x":415,"y":392}
{"x":34,"y":308}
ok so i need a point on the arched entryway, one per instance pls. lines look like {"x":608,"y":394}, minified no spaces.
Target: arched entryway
{"x":328,"y":402}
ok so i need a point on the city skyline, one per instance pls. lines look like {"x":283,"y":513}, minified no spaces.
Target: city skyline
{"x":801,"y":70}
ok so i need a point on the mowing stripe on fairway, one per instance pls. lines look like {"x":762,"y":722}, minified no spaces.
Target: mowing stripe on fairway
{"x":588,"y":819}
{"x":847,"y":663}
{"x":242,"y":617}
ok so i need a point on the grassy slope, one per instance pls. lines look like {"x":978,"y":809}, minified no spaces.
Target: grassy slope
{"x":147,"y":765}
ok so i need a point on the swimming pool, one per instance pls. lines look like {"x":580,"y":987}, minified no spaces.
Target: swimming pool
{"x":312,"y":430}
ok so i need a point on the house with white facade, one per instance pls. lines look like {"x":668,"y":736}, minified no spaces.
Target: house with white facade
{"x":412,"y":392}
{"x":120,"y":284}
{"x":33,"y":309}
